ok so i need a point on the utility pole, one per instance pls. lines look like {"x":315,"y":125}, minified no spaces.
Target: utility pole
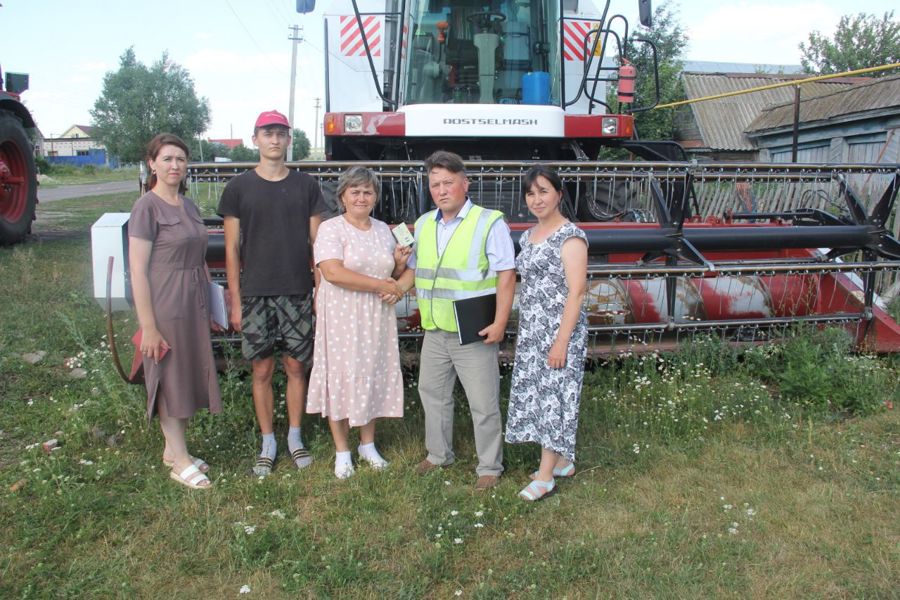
{"x":316,"y":130}
{"x":296,"y":39}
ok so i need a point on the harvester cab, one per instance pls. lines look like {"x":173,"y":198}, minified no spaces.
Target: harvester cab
{"x":404,"y":79}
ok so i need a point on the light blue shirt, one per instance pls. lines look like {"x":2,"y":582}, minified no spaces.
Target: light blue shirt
{"x":499,"y":248}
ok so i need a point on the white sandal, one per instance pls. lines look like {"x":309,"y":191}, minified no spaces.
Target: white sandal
{"x":192,"y":478}
{"x":344,"y":471}
{"x":198,"y":462}
{"x":379,"y":464}
{"x":538,"y":490}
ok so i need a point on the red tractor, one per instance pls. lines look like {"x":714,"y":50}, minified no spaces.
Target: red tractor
{"x":18,"y":176}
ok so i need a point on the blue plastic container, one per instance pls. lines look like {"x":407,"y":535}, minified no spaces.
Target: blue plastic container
{"x":536,"y":87}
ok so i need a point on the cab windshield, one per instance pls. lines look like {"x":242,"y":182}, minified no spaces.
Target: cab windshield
{"x":466,"y":51}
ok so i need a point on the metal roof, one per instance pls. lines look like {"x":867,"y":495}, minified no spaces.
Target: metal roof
{"x":722,"y":122}
{"x":710,"y":66}
{"x":877,"y":94}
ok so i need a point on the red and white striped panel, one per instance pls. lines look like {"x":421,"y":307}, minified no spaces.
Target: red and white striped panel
{"x":351,"y":37}
{"x":573,"y":38}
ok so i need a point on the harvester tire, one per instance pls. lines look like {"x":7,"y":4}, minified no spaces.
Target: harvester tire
{"x":18,"y":180}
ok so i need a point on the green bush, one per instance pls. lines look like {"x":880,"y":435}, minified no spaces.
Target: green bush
{"x":689,"y":395}
{"x":719,"y":356}
{"x":57,"y":169}
{"x":817,"y":371}
{"x":42,"y":165}
{"x":893,"y":308}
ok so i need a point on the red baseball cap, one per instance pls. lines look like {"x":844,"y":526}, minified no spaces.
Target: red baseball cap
{"x":272,"y":117}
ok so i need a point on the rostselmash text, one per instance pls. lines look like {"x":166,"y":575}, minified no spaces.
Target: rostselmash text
{"x":475,"y":121}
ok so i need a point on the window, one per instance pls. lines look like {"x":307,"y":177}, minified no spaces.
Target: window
{"x":81,"y":153}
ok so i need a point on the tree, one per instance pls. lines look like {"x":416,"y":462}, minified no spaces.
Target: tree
{"x":859,"y":41}
{"x":205,"y":150}
{"x":670,"y":41}
{"x":242,"y":153}
{"x":301,"y":144}
{"x":138,"y":102}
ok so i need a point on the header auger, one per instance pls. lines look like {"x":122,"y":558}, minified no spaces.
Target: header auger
{"x":680,"y":254}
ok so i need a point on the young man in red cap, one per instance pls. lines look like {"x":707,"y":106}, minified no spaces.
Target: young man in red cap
{"x":271,"y":217}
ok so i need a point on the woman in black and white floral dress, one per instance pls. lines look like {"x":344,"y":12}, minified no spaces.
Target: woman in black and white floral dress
{"x":552,"y":339}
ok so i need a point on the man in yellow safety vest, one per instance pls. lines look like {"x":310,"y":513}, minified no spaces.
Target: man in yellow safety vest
{"x":462,"y":250}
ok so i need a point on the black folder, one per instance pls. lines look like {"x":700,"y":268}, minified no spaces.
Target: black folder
{"x":473,"y":315}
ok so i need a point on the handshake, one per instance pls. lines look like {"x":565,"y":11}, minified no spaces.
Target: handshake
{"x":389,"y":291}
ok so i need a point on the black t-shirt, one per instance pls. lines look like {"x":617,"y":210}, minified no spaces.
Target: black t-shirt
{"x":274,"y":216}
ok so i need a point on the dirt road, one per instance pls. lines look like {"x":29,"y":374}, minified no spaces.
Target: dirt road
{"x":65,"y":192}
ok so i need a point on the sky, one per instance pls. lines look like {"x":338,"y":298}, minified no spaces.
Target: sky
{"x":239,"y":55}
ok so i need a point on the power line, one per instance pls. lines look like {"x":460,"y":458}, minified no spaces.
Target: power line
{"x":278,"y":14}
{"x":247,"y":31}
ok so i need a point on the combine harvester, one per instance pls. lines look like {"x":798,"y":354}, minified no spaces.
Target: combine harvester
{"x":741,"y":251}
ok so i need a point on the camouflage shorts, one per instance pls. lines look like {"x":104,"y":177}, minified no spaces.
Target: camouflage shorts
{"x":283,"y":321}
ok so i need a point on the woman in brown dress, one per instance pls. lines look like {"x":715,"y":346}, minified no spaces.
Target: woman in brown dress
{"x":169,"y":279}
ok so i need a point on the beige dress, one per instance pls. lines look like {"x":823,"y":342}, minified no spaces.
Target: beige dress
{"x":356,"y":362}
{"x":184,"y":381}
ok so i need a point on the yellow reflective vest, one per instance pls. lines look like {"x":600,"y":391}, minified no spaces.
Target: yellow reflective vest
{"x":462,"y":271}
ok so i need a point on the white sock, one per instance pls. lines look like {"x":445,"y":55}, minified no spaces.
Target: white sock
{"x":369,"y":451}
{"x":293,"y":439}
{"x":269,"y":446}
{"x":342,"y":458}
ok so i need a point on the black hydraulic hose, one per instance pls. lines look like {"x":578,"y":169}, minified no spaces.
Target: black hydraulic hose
{"x":623,"y":54}
{"x":365,"y":41}
{"x":582,"y":87}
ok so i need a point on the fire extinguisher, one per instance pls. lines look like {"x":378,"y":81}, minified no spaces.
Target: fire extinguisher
{"x":627,"y":75}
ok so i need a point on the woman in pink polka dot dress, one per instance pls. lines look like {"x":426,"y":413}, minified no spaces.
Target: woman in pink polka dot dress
{"x":356,"y":374}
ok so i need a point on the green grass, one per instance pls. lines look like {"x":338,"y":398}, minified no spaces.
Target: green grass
{"x":785,"y":494}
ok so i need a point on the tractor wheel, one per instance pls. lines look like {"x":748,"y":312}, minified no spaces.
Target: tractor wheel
{"x":18,"y":181}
